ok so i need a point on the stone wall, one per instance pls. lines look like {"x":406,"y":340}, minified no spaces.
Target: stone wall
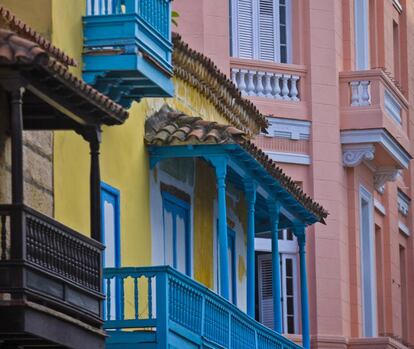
{"x":38,"y":165}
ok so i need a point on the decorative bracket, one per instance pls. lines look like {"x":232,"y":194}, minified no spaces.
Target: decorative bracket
{"x":381,"y":176}
{"x":354,"y":154}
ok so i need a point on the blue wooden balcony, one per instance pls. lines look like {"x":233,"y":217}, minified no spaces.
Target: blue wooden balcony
{"x":158,"y":307}
{"x":128,"y":48}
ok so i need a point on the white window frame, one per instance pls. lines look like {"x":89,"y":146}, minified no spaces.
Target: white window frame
{"x":255,"y":24}
{"x":369,"y":321}
{"x":361,"y":30}
{"x":287,"y":249}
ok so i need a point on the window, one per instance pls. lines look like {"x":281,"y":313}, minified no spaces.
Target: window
{"x":231,"y":238}
{"x":368,"y":281}
{"x":403,"y":287}
{"x":361,"y":35}
{"x":289,"y":284}
{"x":111,"y":240}
{"x":396,"y":50}
{"x":261,"y":29}
{"x":176,"y":218}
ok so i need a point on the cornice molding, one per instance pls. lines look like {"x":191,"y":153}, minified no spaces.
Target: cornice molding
{"x":380,"y":136}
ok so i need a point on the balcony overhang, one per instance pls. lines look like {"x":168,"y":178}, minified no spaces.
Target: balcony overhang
{"x":127,"y":50}
{"x":378,"y":150}
{"x":171,"y":134}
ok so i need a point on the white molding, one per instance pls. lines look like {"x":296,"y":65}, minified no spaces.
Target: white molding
{"x":361,"y":34}
{"x":378,"y":136}
{"x":384,"y":175}
{"x":403,"y":204}
{"x":354,"y":154}
{"x":289,"y":128}
{"x":392,"y":107}
{"x":367,"y":250}
{"x":381,"y":189}
{"x":290,"y":158}
{"x":380,"y":207}
{"x":403,"y":228}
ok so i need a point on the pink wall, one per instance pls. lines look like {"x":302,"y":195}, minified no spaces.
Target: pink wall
{"x":323,"y":57}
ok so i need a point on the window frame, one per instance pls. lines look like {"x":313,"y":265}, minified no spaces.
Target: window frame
{"x":172,"y":200}
{"x":234,"y":31}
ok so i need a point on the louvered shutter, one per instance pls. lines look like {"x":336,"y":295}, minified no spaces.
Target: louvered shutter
{"x":245,"y":28}
{"x":267,"y":30}
{"x":265,"y":290}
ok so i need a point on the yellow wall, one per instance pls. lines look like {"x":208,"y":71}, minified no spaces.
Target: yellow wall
{"x":36,"y":13}
{"x":204,"y":195}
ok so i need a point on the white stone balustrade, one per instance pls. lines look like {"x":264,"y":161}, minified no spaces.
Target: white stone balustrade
{"x":360,"y":93}
{"x":266,"y":84}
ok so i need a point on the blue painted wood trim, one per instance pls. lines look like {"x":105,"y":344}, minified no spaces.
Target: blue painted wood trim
{"x":173,"y":200}
{"x":231,"y":238}
{"x":250,"y":189}
{"x":220,"y":164}
{"x":300,"y":233}
{"x":107,"y":190}
{"x":162,"y":310}
{"x":274,"y":212}
{"x":251,"y":168}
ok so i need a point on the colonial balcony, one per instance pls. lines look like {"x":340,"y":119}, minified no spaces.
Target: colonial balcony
{"x":269,"y":83}
{"x":158,"y":307}
{"x":128,"y":48}
{"x":47,"y":273}
{"x":374,"y":123}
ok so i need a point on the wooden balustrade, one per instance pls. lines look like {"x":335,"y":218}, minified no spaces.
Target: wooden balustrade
{"x":59,"y":264}
{"x":184,"y":309}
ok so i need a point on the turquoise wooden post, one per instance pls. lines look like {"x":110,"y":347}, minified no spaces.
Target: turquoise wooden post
{"x":163,"y":302}
{"x":274,"y":211}
{"x":250,"y":189}
{"x":300,"y":234}
{"x":220,"y":164}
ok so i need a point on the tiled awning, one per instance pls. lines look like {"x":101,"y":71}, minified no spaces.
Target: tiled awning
{"x":183,"y":135}
{"x":44,"y":70}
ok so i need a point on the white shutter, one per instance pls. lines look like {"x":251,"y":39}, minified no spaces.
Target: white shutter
{"x":245,"y":28}
{"x":267,"y":30}
{"x":265,"y":290}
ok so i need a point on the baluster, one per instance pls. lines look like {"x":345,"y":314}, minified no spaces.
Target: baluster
{"x":121,"y":299}
{"x":136,"y":298}
{"x":108,"y":298}
{"x":268,"y":85}
{"x":276,"y":86}
{"x":234,"y":76}
{"x":285,"y":87}
{"x":96,"y":7}
{"x":354,"y":93}
{"x":88,"y":7}
{"x":294,"y":88}
{"x":250,"y":83}
{"x":149,"y":278}
{"x":242,"y":82}
{"x":365,"y":97}
{"x":3,"y":237}
{"x":259,"y":83}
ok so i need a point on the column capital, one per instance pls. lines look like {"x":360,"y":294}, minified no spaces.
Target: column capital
{"x":250,"y":187}
{"x":300,"y":232}
{"x":274,"y":209}
{"x":220,"y":165}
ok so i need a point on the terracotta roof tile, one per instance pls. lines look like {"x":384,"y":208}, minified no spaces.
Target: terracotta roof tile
{"x":15,"y":50}
{"x":11,"y":22}
{"x":200,"y":72}
{"x":168,"y":127}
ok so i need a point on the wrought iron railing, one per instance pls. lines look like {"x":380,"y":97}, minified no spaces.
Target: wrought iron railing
{"x":170,"y":302}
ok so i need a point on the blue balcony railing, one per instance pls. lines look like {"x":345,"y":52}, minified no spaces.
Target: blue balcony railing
{"x":128,"y":48}
{"x":161,"y":306}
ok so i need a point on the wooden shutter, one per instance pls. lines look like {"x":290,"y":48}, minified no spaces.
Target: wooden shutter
{"x":244,"y":20}
{"x":267,"y":29}
{"x":265,"y":290}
